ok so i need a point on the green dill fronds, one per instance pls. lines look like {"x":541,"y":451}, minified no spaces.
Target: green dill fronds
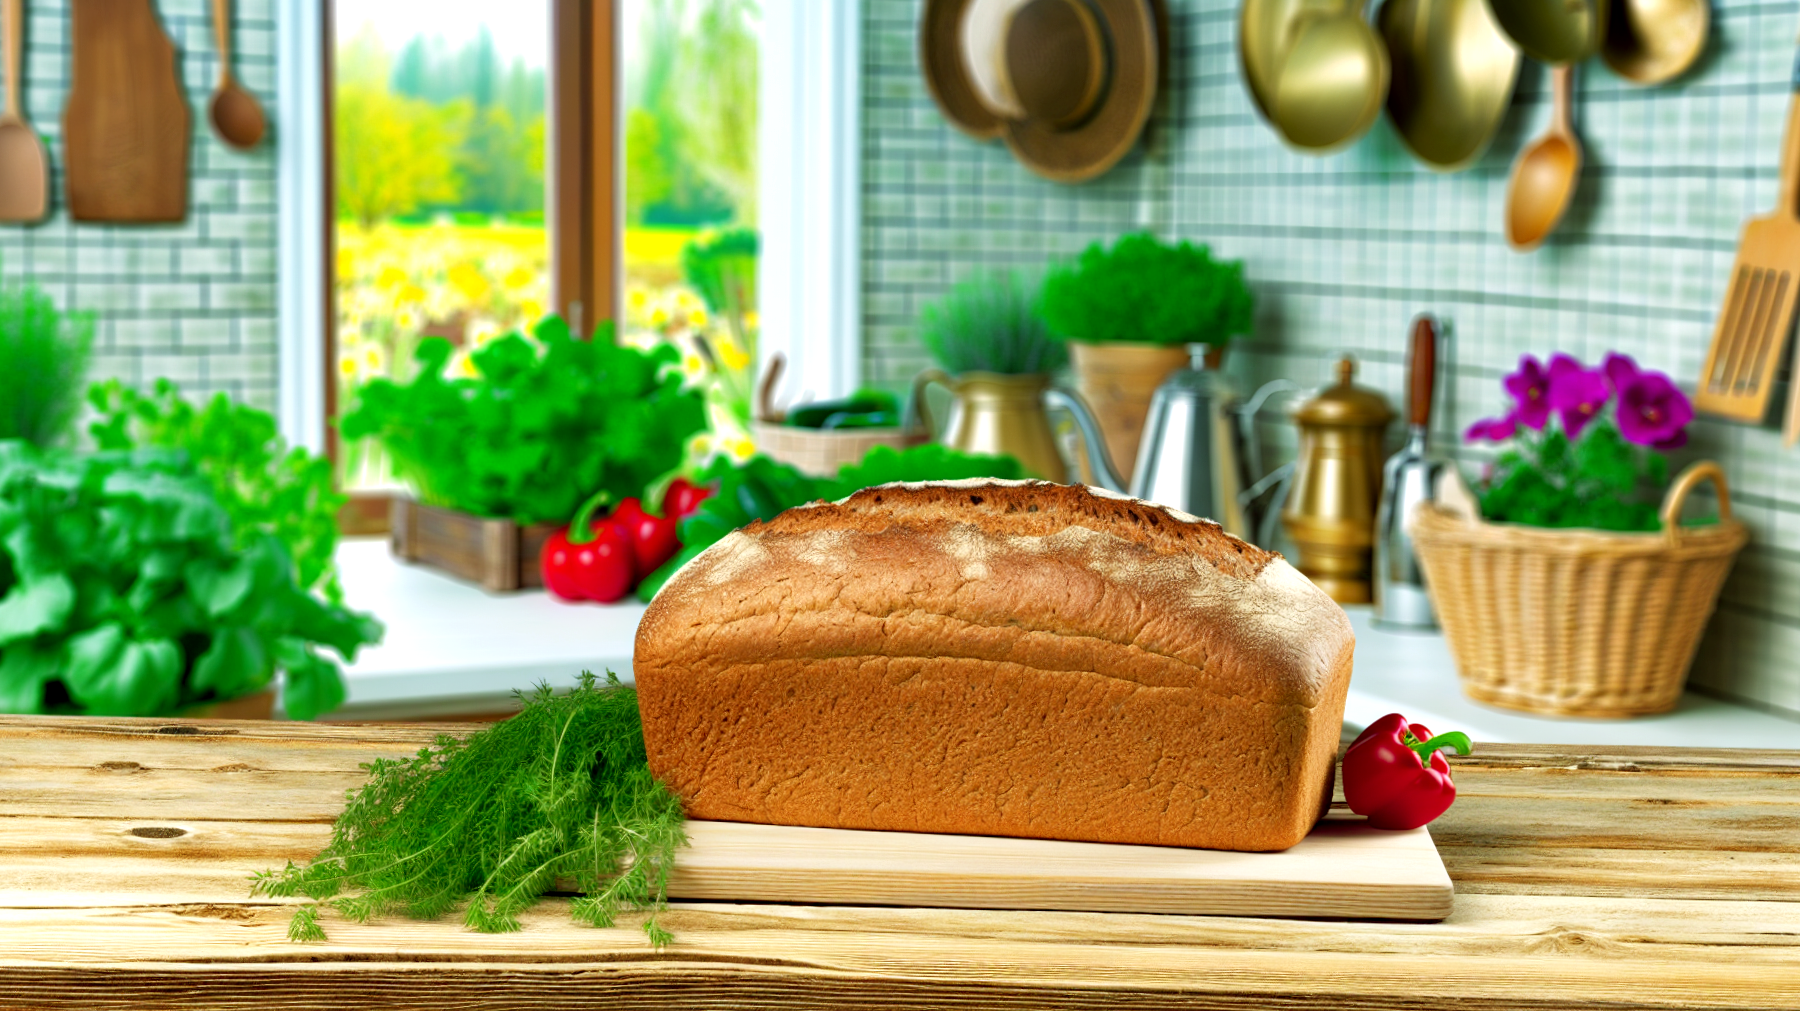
{"x":991,"y":323}
{"x":560,"y":792}
{"x":44,"y":354}
{"x":304,"y":926}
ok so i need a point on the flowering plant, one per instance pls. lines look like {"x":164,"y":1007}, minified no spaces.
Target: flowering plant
{"x":1584,"y":446}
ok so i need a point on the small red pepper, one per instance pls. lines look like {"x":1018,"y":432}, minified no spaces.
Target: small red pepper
{"x":589,"y":561}
{"x":683,"y":497}
{"x":1394,"y":774}
{"x":653,"y":539}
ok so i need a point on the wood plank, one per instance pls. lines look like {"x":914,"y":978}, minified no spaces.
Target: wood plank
{"x":1493,"y":952}
{"x":1344,"y":870}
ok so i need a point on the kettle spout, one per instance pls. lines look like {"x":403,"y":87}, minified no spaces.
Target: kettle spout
{"x":1099,"y":461}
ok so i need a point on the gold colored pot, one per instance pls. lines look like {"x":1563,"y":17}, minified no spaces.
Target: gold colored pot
{"x":1330,"y":510}
{"x":1454,"y":71}
{"x":994,"y":413}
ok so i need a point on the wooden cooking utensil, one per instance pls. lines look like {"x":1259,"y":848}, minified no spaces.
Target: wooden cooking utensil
{"x":24,"y":168}
{"x":1758,"y":313}
{"x":126,"y":125}
{"x":235,"y":114}
{"x":1545,"y":175}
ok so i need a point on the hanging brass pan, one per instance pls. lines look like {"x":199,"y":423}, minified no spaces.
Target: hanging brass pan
{"x":1652,"y":41}
{"x":1453,"y":76}
{"x":1554,"y":31}
{"x":1265,"y":30}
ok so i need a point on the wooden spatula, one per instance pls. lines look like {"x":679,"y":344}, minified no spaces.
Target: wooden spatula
{"x":1759,"y":304}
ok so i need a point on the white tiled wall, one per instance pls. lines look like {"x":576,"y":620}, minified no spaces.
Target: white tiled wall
{"x":193,"y":301}
{"x":1344,"y":250}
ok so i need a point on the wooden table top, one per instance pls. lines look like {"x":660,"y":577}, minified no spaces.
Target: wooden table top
{"x":1614,"y":877}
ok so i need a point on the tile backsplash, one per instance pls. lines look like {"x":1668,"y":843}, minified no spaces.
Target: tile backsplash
{"x":1344,"y":250}
{"x":195,"y":301}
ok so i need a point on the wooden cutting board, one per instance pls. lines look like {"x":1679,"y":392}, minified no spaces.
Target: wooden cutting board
{"x":126,"y":125}
{"x":1343,"y":870}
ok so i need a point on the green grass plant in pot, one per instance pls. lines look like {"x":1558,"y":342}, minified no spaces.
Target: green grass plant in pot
{"x":43,"y":360}
{"x":1129,"y":311}
{"x":996,"y":355}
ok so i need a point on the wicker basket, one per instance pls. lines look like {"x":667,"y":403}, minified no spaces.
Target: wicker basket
{"x":1576,"y":622}
{"x":820,"y":453}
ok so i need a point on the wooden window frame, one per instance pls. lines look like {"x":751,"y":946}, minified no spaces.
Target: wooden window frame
{"x":583,"y":206}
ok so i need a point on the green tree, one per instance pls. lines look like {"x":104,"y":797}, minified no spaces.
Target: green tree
{"x":502,"y":162}
{"x":649,"y":178}
{"x":716,"y":93}
{"x":394,"y":154}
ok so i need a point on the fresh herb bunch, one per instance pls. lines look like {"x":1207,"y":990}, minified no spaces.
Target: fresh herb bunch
{"x":265,"y":486}
{"x":761,"y":489}
{"x":562,"y":790}
{"x":543,"y":425}
{"x":1584,"y":446}
{"x":124,"y":593}
{"x":1145,"y":291}
{"x":992,"y":323}
{"x":43,"y":358}
{"x":721,"y":267}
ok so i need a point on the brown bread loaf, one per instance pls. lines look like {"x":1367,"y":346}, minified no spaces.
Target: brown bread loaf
{"x":997,"y":658}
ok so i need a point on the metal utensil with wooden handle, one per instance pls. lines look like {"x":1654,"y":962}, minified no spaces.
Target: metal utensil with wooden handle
{"x":24,"y":167}
{"x":1407,"y":481}
{"x":1753,"y":325}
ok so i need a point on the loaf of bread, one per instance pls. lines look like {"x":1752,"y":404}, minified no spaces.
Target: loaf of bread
{"x":997,"y":658}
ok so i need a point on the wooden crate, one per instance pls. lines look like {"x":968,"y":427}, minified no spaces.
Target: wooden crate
{"x":500,"y":555}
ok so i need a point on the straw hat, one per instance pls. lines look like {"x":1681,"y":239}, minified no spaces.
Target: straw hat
{"x":1068,"y":83}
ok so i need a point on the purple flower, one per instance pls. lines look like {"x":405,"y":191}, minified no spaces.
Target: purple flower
{"x":1492,"y":429}
{"x":1530,"y":388}
{"x":1620,"y":370}
{"x":1652,"y":412}
{"x":1576,"y":393}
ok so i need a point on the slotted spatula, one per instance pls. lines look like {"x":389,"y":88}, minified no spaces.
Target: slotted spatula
{"x":1759,"y":303}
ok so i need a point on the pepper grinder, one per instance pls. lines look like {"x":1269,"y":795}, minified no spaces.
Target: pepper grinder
{"x":1407,"y":481}
{"x":1330,"y":510}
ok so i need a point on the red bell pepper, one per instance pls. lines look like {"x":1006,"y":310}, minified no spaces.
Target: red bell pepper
{"x":653,"y":539}
{"x":587,"y":560}
{"x":683,"y":497}
{"x":1394,"y":774}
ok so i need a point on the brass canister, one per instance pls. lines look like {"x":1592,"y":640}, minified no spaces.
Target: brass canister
{"x":1330,"y":510}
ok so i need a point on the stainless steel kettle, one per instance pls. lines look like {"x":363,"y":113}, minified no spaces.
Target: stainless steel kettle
{"x":1196,"y":454}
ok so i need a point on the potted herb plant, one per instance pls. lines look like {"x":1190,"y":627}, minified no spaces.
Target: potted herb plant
{"x":504,"y":452}
{"x":125,"y":591}
{"x":44,"y":354}
{"x":996,"y":355}
{"x":1129,"y":311}
{"x":1568,"y":583}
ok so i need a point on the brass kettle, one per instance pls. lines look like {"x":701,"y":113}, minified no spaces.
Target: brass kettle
{"x":995,"y":413}
{"x":1330,"y":508}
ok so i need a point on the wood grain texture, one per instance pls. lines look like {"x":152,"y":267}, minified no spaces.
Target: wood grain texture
{"x":127,"y":124}
{"x":1626,"y":878}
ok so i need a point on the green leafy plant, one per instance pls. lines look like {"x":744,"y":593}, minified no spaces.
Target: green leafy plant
{"x":492,"y":821}
{"x":992,"y":323}
{"x":761,"y":489}
{"x":265,"y":486}
{"x":1144,"y":290}
{"x":123,"y":592}
{"x":43,"y":358}
{"x":721,"y":267}
{"x":544,"y":424}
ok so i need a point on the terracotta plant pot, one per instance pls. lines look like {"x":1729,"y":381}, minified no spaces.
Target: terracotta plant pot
{"x":256,"y":706}
{"x":1117,"y":380}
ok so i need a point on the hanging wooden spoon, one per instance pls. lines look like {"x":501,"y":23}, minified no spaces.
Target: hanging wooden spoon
{"x":24,"y":168}
{"x":236,"y":116}
{"x":1546,"y":173}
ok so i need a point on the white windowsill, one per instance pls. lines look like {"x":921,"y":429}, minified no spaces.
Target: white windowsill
{"x":453,"y":648}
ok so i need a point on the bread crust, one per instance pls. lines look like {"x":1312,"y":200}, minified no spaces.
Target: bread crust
{"x":997,"y":658}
